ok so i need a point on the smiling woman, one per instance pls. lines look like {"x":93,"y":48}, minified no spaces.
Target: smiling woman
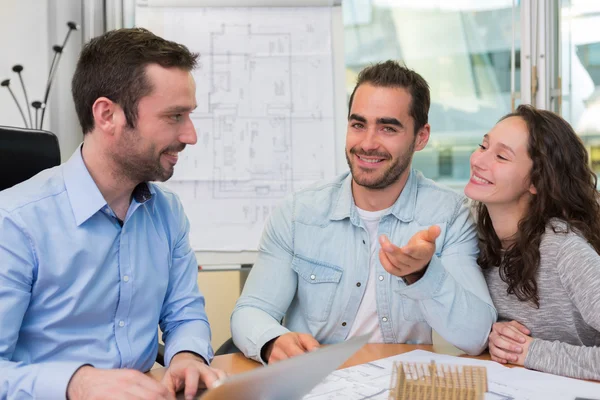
{"x":500,"y":168}
{"x":538,"y":220}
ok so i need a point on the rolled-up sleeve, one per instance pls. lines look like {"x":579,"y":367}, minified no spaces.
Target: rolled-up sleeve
{"x":270,"y":287}
{"x":452,"y":294}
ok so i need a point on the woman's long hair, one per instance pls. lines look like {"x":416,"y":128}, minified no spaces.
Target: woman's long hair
{"x":565,"y":189}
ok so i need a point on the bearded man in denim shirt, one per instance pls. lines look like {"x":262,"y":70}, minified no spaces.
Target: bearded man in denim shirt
{"x":379,"y":250}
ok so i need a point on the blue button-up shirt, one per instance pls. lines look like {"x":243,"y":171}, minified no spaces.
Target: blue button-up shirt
{"x":315,"y":251}
{"x":78,"y":288}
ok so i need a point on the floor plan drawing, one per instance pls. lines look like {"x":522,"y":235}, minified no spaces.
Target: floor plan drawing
{"x":265,"y":118}
{"x":373,"y":380}
{"x":251,"y":103}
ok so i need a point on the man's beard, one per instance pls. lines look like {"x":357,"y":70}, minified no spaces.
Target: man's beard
{"x":142,"y":165}
{"x":389,"y":176}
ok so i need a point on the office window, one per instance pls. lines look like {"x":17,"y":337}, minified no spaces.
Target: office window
{"x":580,"y":71}
{"x":589,"y":55}
{"x":461,"y":48}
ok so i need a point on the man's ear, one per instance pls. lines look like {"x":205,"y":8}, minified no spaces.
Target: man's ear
{"x":422,"y":137}
{"x":107,"y":115}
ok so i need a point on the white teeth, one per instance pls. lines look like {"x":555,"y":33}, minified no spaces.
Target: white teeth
{"x":372,"y":161}
{"x":480,"y":180}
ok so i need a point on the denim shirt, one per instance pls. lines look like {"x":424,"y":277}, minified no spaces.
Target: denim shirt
{"x":313,"y":265}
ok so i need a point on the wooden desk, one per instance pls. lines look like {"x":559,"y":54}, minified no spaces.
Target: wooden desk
{"x":237,"y":363}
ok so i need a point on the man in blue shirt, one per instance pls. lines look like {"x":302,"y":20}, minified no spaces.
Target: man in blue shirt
{"x":380,"y":250}
{"x":92,"y":256}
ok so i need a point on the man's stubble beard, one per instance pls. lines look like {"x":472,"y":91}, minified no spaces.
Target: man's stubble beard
{"x":136,"y":166}
{"x":390,"y":176}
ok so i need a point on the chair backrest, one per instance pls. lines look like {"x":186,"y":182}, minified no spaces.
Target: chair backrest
{"x":24,"y":153}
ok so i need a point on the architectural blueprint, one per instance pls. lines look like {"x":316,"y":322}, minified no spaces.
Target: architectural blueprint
{"x":265,"y":118}
{"x":372,"y":381}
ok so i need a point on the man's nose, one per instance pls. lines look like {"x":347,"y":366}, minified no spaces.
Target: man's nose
{"x":188,"y":134}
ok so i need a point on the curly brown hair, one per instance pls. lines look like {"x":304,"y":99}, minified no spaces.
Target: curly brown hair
{"x":565,"y":189}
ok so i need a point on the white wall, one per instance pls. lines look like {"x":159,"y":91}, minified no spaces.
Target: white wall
{"x":28,"y":30}
{"x":23,"y":40}
{"x":64,"y":122}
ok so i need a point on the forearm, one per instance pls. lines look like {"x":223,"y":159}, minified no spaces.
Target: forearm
{"x":252,"y":328}
{"x":257,"y":316}
{"x":578,"y":267}
{"x":189,"y":336}
{"x":183,"y":318}
{"x":44,"y":380}
{"x":189,"y":355}
{"x":564,"y":359}
{"x":458,"y":315}
{"x":269,"y":289}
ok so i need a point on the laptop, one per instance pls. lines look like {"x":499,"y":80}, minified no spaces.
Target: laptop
{"x":288,"y":379}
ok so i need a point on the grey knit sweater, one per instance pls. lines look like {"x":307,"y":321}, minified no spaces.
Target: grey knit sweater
{"x":566,"y":327}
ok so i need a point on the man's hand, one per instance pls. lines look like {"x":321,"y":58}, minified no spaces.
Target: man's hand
{"x":408,"y":261}
{"x":509,"y":342}
{"x":90,"y":383}
{"x":289,"y":345}
{"x":190,"y":371}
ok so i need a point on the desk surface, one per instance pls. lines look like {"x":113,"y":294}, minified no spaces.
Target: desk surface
{"x":237,"y":363}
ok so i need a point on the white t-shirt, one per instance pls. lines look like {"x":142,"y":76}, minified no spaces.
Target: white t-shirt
{"x":366,"y":318}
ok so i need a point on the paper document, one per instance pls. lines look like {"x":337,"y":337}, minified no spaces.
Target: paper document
{"x":372,"y":381}
{"x":289,"y":379}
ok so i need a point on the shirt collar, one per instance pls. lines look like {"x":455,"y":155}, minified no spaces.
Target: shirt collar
{"x":403,"y":208}
{"x":344,"y":205}
{"x":84,"y":195}
{"x":143,"y":192}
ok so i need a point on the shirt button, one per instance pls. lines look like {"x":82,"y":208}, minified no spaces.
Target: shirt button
{"x":121,"y":323}
{"x":380,"y":277}
{"x":384,"y":319}
{"x":313,"y":277}
{"x":343,"y":324}
{"x":364,"y":242}
{"x":126,"y":278}
{"x":357,"y":284}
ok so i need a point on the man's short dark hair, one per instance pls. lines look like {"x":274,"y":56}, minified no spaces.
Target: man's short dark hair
{"x":114,"y":66}
{"x":393,"y":75}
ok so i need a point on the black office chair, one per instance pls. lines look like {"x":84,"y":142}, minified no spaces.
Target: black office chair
{"x":227,"y":348}
{"x":160,"y":356}
{"x":24,"y":153}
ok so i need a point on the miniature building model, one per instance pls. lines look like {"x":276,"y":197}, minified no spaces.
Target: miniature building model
{"x":422,"y":381}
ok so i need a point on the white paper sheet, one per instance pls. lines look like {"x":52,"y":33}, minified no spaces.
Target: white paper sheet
{"x":265,"y":118}
{"x":372,"y":381}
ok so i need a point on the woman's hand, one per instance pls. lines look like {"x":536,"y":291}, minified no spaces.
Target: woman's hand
{"x":509,"y":342}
